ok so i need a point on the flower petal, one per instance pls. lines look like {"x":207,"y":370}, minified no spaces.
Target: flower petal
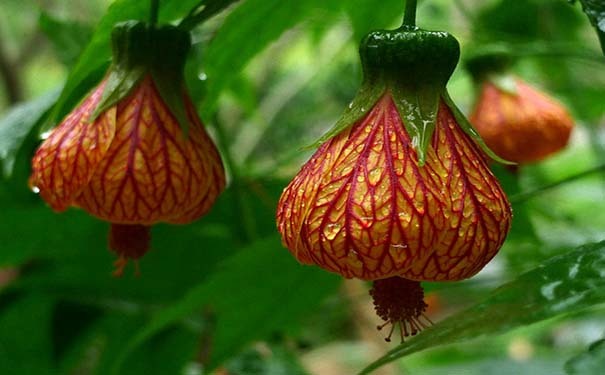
{"x":152,"y":172}
{"x":363,"y":207}
{"x":67,"y":159}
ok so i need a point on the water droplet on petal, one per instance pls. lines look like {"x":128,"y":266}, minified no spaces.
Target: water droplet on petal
{"x":36,"y":189}
{"x":46,"y":134}
{"x":375,"y":175}
{"x":331,"y":230}
{"x":404,"y":216}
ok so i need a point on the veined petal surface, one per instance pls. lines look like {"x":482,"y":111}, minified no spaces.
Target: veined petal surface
{"x":523,"y":127}
{"x":65,"y":162}
{"x":362,"y":206}
{"x":153,"y":172}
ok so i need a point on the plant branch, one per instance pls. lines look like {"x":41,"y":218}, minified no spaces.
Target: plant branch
{"x":409,"y":17}
{"x":525,"y":196}
{"x":154,"y":6}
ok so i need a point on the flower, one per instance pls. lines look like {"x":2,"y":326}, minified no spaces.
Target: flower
{"x":522,"y":126}
{"x":363,"y":207}
{"x":132,"y":164}
{"x":400,"y":191}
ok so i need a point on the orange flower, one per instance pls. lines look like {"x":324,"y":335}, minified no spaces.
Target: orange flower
{"x":363,"y":207}
{"x":132,"y":166}
{"x":399,"y":192}
{"x":523,"y":127}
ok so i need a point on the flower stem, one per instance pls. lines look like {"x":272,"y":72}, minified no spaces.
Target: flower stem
{"x":522,"y":197}
{"x":409,"y":18}
{"x":154,"y":5}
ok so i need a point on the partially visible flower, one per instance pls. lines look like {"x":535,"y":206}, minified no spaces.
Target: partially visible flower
{"x":400,"y":191}
{"x":523,"y":125}
{"x":131,"y":164}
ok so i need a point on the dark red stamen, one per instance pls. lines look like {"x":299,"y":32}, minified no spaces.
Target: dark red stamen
{"x":129,"y":242}
{"x":399,"y":301}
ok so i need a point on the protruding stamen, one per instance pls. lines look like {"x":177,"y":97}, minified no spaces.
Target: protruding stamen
{"x":400,"y":302}
{"x":129,"y":242}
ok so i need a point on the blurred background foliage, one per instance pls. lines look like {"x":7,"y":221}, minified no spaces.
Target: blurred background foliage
{"x":222,"y":295}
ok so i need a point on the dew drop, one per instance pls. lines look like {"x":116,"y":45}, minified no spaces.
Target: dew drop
{"x":350,"y":105}
{"x":46,"y":134}
{"x":360,"y":178}
{"x":404,"y":216}
{"x":202,"y":76}
{"x":331,"y":230}
{"x":374,"y":175}
{"x":36,"y":189}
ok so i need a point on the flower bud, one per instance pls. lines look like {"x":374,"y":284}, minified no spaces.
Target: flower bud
{"x":126,"y":159}
{"x":523,"y":126}
{"x":363,"y":207}
{"x":399,"y":192}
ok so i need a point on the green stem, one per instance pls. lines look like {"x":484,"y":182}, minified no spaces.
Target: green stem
{"x":154,"y":6}
{"x":409,"y":18}
{"x":522,"y":197}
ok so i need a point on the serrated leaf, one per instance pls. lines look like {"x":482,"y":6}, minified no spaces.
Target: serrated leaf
{"x":588,"y":363}
{"x":17,"y":124}
{"x":265,"y":280}
{"x":595,"y":10}
{"x":564,"y":284}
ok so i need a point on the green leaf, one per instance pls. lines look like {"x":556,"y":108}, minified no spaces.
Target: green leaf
{"x":264,"y":280}
{"x":564,"y":284}
{"x":25,"y":344}
{"x":366,"y":16}
{"x":204,"y":11}
{"x":246,"y":31}
{"x":588,"y":363}
{"x":17,"y":124}
{"x":595,"y":10}
{"x":67,"y":37}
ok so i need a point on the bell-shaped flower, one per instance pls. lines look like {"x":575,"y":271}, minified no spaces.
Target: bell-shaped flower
{"x":134,"y":152}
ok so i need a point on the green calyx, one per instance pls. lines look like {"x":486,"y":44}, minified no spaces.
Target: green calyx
{"x":140,"y":50}
{"x":413,"y":65}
